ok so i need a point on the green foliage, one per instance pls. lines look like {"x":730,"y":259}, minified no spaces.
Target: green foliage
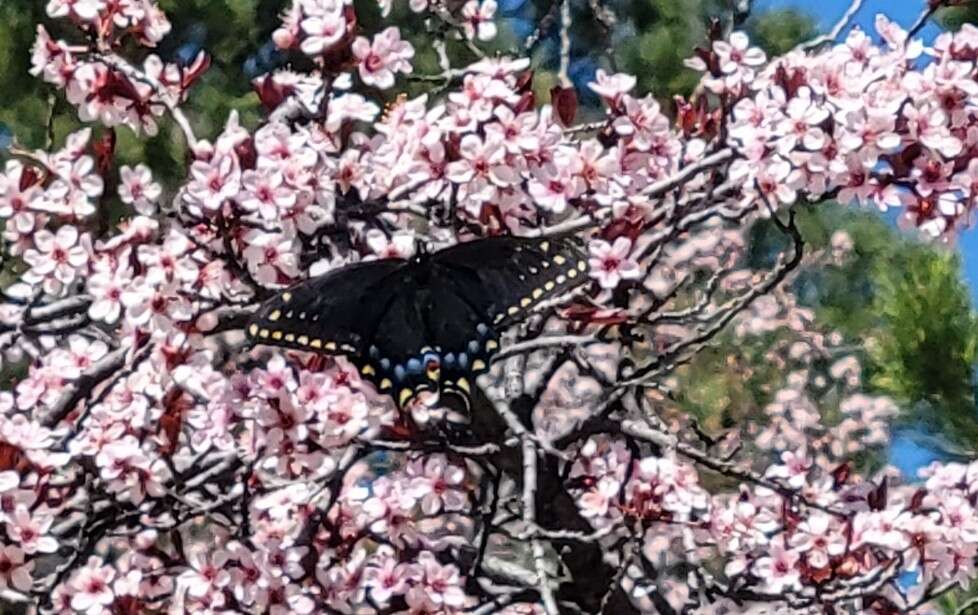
{"x":928,"y":351}
{"x":664,"y":33}
{"x":907,"y":304}
{"x":778,"y":31}
{"x":954,"y":17}
{"x":25,"y":108}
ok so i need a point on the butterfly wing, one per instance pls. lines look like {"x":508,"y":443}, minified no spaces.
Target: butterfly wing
{"x":335,"y":313}
{"x":422,"y":325}
{"x":505,"y":278}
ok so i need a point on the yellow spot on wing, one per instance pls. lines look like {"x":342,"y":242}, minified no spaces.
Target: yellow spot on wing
{"x":286,"y":297}
{"x":330,"y":346}
{"x":289,"y":337}
{"x":512,"y":310}
{"x":537,"y":293}
{"x":276,"y":335}
{"x":545,"y":246}
{"x":275,"y":315}
{"x":463,"y":384}
{"x":403,"y":396}
{"x":303,"y":339}
{"x":478,"y":365}
{"x":525,"y":301}
{"x":561,"y":279}
{"x":385,"y":384}
{"x":368,"y":370}
{"x":263,"y":333}
{"x":560,"y":260}
{"x":253,"y":330}
{"x":549,"y":285}
{"x":581,"y":266}
{"x":572,"y":273}
{"x":491,"y":345}
{"x":316,"y":343}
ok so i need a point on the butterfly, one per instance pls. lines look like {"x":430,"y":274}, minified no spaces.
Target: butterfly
{"x":428,"y":323}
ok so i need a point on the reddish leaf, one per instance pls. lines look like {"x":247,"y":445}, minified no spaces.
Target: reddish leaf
{"x":840,"y":475}
{"x":877,"y":497}
{"x":246,"y":153}
{"x":524,"y":82}
{"x":10,"y":456}
{"x":623,"y":227}
{"x":588,"y":313}
{"x":526,"y":103}
{"x":104,"y":151}
{"x":917,"y":500}
{"x":28,"y":177}
{"x":176,"y":403}
{"x":197,"y":68}
{"x":271,"y":93}
{"x":564,"y":101}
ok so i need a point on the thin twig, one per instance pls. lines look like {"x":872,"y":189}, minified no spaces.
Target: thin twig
{"x":922,"y":20}
{"x":836,"y":30}
{"x":529,"y":517}
{"x":563,"y":73}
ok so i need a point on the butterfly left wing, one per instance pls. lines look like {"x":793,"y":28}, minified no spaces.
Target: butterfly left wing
{"x":334,"y":313}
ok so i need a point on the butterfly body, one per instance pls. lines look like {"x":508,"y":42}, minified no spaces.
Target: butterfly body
{"x":430,"y":323}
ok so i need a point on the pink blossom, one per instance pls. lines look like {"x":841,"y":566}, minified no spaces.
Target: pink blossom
{"x":438,"y":483}
{"x":322,"y":30}
{"x":737,"y":54}
{"x":14,"y":571}
{"x":439,"y":586}
{"x":207,"y":573}
{"x":778,"y":570}
{"x":381,"y":61}
{"x":92,"y":587}
{"x":57,"y":257}
{"x":85,"y":10}
{"x":477,"y":19}
{"x":387,"y":577}
{"x":137,"y":188}
{"x":399,"y":245}
{"x":611,"y":263}
{"x":612,"y":87}
{"x":30,"y":531}
{"x":106,"y":285}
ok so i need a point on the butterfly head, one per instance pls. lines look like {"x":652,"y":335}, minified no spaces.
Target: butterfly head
{"x":421,"y":251}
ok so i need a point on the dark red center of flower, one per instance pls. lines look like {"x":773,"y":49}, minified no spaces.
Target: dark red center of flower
{"x":373,"y":62}
{"x":95,"y":586}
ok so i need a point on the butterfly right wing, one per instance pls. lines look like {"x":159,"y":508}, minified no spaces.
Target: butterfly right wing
{"x":507,"y":277}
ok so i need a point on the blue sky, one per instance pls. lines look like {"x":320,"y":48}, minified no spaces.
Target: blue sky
{"x":904,"y":12}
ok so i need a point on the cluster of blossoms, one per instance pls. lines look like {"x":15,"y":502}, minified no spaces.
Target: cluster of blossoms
{"x":848,"y":532}
{"x":104,"y":87}
{"x":860,"y":122}
{"x":148,"y":459}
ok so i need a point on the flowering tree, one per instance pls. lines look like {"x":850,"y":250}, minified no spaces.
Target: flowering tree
{"x":152,"y":460}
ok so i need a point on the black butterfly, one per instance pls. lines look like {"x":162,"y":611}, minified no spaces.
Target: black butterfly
{"x":428,"y":323}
